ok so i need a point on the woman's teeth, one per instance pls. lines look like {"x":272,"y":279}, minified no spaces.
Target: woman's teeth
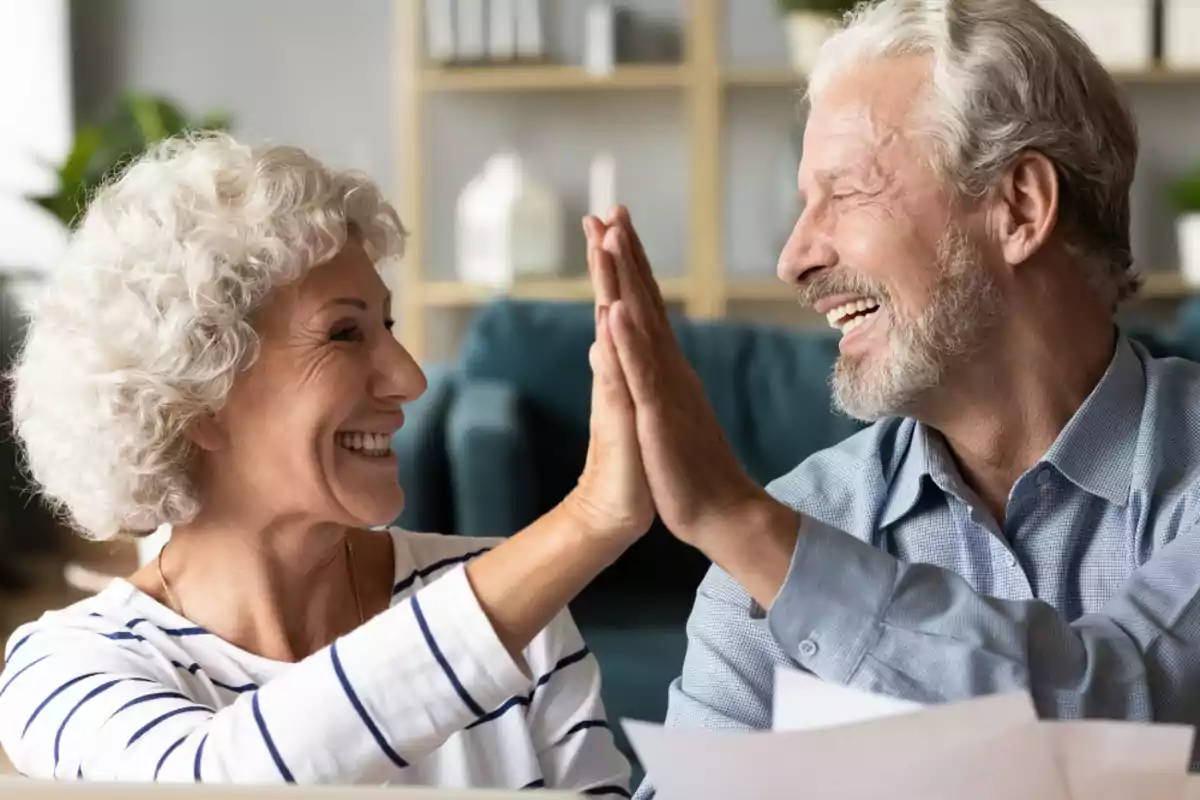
{"x":850,"y":315}
{"x":375,"y":445}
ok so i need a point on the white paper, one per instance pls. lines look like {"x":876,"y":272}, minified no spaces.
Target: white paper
{"x":69,"y":790}
{"x":944,"y":752}
{"x":1105,"y":760}
{"x":803,"y":702}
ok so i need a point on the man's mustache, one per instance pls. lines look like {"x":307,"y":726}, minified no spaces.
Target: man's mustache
{"x":827,"y":282}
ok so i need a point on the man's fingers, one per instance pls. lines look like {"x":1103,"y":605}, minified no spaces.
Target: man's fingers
{"x":620,"y":215}
{"x":635,"y":356}
{"x":638,"y":301}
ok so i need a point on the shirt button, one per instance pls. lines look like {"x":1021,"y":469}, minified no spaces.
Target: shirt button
{"x":808,"y":648}
{"x":1044,"y":477}
{"x":1011,"y":558}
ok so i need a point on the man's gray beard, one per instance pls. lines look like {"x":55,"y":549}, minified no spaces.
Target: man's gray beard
{"x":955,"y":325}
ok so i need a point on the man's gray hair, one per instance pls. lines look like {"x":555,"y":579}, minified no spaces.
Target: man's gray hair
{"x":1006,"y":77}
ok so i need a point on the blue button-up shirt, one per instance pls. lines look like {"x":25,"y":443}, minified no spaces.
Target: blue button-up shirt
{"x":1088,"y":595}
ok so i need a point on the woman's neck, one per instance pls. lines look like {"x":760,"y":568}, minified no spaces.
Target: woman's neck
{"x":279,"y":591}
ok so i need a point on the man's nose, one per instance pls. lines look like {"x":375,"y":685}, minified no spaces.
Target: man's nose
{"x":808,"y":248}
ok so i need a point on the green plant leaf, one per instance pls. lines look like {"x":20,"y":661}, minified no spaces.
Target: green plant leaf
{"x":1186,"y":193}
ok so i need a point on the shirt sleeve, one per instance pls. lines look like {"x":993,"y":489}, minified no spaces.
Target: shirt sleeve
{"x":854,"y":615}
{"x":729,"y":668}
{"x":574,"y":741}
{"x":78,"y":702}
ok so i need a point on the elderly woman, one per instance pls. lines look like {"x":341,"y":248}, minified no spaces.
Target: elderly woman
{"x":215,"y":354}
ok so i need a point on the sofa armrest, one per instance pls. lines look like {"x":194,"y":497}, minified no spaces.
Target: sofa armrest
{"x":495,"y":488}
{"x":420,"y":447}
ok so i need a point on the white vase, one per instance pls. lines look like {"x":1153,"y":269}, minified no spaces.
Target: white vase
{"x":1187,"y":229}
{"x":1181,"y":34}
{"x":806,"y":32}
{"x":1120,"y":32}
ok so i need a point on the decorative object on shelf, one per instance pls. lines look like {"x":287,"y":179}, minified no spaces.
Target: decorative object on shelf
{"x":509,"y":225}
{"x":602,"y":184}
{"x":1181,"y":34}
{"x":599,"y":39}
{"x":809,"y":24}
{"x":530,"y":41}
{"x":470,"y":36}
{"x":1120,"y":32}
{"x":439,"y":31}
{"x":502,"y":30}
{"x":1187,"y":226}
{"x":483,"y":31}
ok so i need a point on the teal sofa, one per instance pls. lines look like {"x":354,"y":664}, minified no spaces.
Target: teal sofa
{"x":500,"y":437}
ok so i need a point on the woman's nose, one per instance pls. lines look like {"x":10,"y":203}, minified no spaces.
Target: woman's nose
{"x":399,"y":378}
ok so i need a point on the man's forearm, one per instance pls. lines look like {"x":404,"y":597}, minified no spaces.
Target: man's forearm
{"x":754,"y":544}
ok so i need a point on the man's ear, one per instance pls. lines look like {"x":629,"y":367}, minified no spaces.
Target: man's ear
{"x":1028,"y":212}
{"x":207,"y":433}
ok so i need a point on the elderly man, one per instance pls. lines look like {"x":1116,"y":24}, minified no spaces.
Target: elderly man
{"x":1022,"y":514}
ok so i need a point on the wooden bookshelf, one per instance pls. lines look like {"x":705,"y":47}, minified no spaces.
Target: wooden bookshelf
{"x":550,"y":78}
{"x":703,"y":83}
{"x":453,"y":294}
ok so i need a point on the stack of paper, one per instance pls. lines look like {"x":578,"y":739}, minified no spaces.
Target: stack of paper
{"x":838,"y":743}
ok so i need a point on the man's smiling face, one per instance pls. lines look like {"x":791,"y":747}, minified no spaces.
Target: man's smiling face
{"x":882,"y":248}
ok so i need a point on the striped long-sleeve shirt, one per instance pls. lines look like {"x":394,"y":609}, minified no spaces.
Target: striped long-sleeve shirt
{"x":119,"y":687}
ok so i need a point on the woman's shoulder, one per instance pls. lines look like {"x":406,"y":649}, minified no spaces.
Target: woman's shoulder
{"x":109,"y":621}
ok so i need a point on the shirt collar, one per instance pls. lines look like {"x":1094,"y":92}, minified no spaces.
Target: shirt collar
{"x":1095,"y":450}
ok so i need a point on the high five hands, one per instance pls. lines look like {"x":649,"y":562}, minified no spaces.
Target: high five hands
{"x":656,"y":443}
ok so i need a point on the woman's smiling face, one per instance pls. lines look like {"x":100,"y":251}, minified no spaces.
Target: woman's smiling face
{"x":306,"y":431}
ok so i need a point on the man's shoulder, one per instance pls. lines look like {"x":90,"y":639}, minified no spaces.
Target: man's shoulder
{"x":844,"y":485}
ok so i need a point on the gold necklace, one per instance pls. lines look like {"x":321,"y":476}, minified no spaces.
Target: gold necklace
{"x":177,"y":607}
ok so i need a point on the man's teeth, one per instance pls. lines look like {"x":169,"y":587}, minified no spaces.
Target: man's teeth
{"x":369,"y":444}
{"x":850,"y":315}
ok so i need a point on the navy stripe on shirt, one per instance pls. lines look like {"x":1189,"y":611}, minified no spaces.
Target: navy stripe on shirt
{"x":269,"y":742}
{"x":362,"y":712}
{"x":426,"y":571}
{"x":21,"y":672}
{"x":199,"y":757}
{"x":142,"y":731}
{"x":152,"y":696}
{"x":194,"y":668}
{"x":583,"y":726}
{"x":13,"y":651}
{"x":598,"y":790}
{"x":538,"y":784}
{"x":441,"y":660}
{"x":158,"y":767}
{"x":525,"y":700}
{"x":191,"y":631}
{"x":104,"y":687}
{"x":53,"y":695}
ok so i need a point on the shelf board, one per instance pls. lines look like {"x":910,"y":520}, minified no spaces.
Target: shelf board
{"x":548,"y":77}
{"x":453,"y":294}
{"x":786,"y":78}
{"x":1156,"y":285}
{"x":763,"y":77}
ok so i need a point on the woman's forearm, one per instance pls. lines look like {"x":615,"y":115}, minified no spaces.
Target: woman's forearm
{"x":525,"y":581}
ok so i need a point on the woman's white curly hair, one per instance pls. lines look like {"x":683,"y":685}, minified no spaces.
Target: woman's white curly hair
{"x":147,"y":321}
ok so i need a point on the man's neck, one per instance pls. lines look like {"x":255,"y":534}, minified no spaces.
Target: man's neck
{"x":1009,"y":404}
